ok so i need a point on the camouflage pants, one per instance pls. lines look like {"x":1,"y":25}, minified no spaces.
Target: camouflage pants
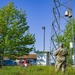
{"x":61,"y":65}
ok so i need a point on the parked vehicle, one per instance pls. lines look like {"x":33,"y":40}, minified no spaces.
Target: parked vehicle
{"x":9,"y":63}
{"x":32,"y":62}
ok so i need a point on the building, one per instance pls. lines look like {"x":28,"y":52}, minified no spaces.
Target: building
{"x":31,"y":58}
{"x":43,"y":58}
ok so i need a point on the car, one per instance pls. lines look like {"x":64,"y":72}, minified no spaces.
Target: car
{"x":32,"y":62}
{"x":9,"y":63}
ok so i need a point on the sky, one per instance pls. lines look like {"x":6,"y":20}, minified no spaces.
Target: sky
{"x":39,"y":13}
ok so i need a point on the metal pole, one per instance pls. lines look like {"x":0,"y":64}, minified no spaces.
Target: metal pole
{"x":44,"y":39}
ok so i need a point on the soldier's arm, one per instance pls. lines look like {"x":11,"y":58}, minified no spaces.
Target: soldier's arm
{"x":56,"y":52}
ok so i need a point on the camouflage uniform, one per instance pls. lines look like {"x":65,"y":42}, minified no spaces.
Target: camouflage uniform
{"x":60,"y":59}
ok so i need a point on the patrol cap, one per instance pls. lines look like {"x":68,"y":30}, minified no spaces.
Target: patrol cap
{"x":61,"y":44}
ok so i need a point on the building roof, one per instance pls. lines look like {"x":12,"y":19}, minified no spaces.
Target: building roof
{"x":42,"y":52}
{"x":30,"y":56}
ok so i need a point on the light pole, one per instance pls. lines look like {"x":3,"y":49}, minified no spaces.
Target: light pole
{"x":43,"y":27}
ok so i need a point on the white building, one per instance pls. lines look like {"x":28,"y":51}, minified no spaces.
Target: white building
{"x":43,"y":58}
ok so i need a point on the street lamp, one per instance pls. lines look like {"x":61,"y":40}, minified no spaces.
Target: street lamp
{"x":43,"y":27}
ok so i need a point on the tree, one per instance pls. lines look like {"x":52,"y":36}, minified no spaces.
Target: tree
{"x":68,"y":35}
{"x":15,"y":38}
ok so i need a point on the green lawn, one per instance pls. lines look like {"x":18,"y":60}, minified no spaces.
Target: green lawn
{"x":33,"y":70}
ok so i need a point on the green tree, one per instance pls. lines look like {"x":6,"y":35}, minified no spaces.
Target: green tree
{"x":68,"y":35}
{"x":15,"y":38}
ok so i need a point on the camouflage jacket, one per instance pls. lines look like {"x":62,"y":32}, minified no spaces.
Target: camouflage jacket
{"x":61,"y":54}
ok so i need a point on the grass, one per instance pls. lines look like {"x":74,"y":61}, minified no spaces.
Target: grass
{"x":33,"y":70}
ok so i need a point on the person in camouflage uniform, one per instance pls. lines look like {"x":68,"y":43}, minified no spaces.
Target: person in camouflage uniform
{"x":60,"y":54}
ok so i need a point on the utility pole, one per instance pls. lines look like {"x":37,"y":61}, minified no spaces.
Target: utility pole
{"x":43,"y":27}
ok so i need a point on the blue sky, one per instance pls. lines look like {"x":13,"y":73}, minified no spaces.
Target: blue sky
{"x":39,"y":13}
